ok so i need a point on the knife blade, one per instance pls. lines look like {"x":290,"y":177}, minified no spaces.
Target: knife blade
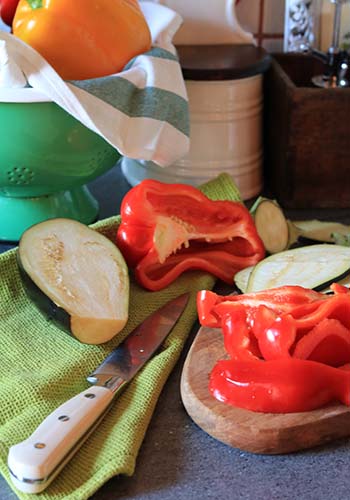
{"x":35,"y":462}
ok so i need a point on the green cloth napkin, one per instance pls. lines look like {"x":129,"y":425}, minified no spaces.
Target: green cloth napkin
{"x":41,"y":367}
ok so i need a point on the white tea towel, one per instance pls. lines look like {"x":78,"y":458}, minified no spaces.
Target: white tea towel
{"x":142,"y":111}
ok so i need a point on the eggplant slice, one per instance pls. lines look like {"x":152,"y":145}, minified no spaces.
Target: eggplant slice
{"x":314,"y":266}
{"x":322,"y":231}
{"x":271,"y":224}
{"x":77,"y":277}
{"x":241,"y":278}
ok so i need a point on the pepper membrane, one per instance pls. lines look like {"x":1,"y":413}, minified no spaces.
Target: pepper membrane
{"x":284,"y":356}
{"x":167,"y":229}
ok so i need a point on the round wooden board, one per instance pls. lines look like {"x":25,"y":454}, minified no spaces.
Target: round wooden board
{"x":264,"y":433}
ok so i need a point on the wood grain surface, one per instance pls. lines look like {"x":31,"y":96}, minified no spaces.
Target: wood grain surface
{"x":263,"y":433}
{"x":305,"y":160}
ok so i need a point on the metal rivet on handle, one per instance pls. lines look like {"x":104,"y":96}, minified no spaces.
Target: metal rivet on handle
{"x":90,"y":395}
{"x":40,"y":446}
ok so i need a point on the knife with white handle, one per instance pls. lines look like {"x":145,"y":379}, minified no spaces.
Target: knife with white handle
{"x":35,"y":462}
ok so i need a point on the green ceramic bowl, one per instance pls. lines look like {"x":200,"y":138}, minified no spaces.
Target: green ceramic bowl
{"x":46,"y":158}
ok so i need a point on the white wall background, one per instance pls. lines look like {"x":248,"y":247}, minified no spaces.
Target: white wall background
{"x":273,"y":23}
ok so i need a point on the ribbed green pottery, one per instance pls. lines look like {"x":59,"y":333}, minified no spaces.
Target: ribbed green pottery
{"x":46,"y":158}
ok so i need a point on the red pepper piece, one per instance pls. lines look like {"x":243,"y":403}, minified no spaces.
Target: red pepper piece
{"x":167,"y":229}
{"x":337,"y":288}
{"x":328,"y":342}
{"x":279,"y":386}
{"x":206,"y":302}
{"x":334,"y":306}
{"x":7,"y":10}
{"x":239,"y":341}
{"x":304,"y":340}
{"x":212,"y":307}
{"x":275,"y":334}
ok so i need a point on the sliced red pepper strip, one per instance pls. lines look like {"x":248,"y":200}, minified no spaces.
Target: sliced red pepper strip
{"x":206,"y":302}
{"x":337,"y":288}
{"x":303,"y":346}
{"x":328,"y":342}
{"x":212,"y":307}
{"x":239,"y":341}
{"x":334,"y":306}
{"x":279,"y":386}
{"x":167,"y":229}
{"x":275,"y":334}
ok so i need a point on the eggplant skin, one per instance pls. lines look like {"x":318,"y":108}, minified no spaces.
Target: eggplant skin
{"x":46,"y":306}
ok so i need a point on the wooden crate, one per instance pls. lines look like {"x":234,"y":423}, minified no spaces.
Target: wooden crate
{"x":306,"y":136}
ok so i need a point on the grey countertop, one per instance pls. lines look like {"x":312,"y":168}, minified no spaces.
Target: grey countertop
{"x":180,"y":461}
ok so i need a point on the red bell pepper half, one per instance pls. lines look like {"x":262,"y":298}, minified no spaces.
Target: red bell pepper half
{"x":167,"y":229}
{"x":7,"y":10}
{"x":288,"y":347}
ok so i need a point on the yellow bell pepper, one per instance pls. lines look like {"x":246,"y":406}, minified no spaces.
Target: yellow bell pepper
{"x":83,"y":39}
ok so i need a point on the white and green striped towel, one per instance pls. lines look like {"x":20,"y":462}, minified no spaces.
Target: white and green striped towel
{"x":141,"y":111}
